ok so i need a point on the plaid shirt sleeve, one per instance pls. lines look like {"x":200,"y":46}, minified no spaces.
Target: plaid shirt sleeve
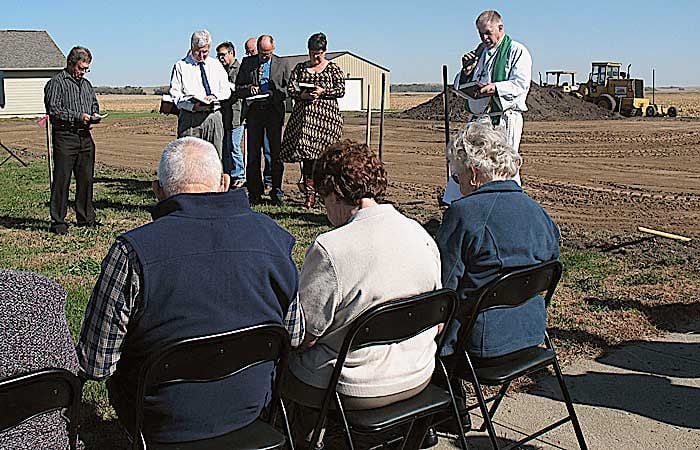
{"x":113,"y":302}
{"x":294,"y":322}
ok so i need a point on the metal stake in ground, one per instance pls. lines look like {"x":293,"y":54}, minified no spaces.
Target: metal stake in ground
{"x":369,"y":113}
{"x":446,"y":104}
{"x":381,"y":119}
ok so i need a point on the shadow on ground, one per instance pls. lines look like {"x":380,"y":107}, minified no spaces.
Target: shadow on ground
{"x":24,"y":223}
{"x":648,"y":384}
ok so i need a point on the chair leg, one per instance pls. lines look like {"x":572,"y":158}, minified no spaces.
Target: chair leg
{"x":287,"y":428}
{"x":482,"y":404}
{"x":455,"y":409}
{"x":570,"y":406}
{"x":567,"y":398}
{"x":346,"y":426}
{"x":496,"y":403}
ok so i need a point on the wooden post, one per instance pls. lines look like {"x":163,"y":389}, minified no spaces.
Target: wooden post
{"x":446,"y":105}
{"x":381,"y":119}
{"x":369,"y":114}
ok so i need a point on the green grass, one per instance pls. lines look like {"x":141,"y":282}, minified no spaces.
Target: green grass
{"x":130,"y":114}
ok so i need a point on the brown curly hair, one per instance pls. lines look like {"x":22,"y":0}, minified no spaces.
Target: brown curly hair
{"x":352,"y":171}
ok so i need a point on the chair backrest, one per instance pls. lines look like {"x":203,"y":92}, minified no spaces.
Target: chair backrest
{"x":214,"y":357}
{"x":25,"y":396}
{"x":392,"y":322}
{"x":512,"y":289}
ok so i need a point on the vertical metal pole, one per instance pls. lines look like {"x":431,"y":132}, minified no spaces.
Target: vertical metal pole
{"x":446,"y":104}
{"x":381,"y":119}
{"x":653,"y":86}
{"x":49,"y":152}
{"x":369,"y":114}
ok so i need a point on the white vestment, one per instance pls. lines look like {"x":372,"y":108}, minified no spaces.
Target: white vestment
{"x":511,"y":93}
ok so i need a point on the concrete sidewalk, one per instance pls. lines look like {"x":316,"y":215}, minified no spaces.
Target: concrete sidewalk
{"x":643,"y":395}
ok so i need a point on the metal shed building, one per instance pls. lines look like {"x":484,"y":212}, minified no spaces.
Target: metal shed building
{"x":359,"y":73}
{"x":28,"y":59}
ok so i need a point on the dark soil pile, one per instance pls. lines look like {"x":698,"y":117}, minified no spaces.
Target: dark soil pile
{"x":543,"y":103}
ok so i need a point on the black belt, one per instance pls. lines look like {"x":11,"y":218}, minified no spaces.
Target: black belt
{"x":62,"y":125}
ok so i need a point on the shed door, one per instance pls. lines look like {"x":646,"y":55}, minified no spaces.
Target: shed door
{"x":352,"y":101}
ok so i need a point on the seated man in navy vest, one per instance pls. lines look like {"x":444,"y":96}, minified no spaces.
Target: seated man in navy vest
{"x":206,"y":264}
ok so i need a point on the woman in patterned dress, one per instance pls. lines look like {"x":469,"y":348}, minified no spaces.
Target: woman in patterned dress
{"x":316,"y":121}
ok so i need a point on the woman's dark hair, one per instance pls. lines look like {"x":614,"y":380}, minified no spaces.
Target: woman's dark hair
{"x":352,"y":171}
{"x":317,"y":42}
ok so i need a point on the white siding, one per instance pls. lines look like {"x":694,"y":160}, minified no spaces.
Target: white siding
{"x":24,"y":96}
{"x":370,"y":74}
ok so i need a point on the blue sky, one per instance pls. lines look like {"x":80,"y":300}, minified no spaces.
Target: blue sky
{"x":136,"y":43}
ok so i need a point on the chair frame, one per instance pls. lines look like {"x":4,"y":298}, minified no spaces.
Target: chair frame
{"x":376,"y":326}
{"x":510,"y":290}
{"x":264,"y":343}
{"x":28,"y":395}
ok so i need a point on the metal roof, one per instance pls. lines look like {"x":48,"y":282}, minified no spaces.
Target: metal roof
{"x":29,"y":49}
{"x":296,"y":59}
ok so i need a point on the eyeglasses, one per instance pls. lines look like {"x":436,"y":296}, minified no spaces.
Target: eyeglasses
{"x":221,"y":55}
{"x":83,"y":69}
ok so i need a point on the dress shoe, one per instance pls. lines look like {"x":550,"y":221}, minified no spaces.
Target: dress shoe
{"x":430,"y":439}
{"x":268,"y":189}
{"x":59,"y":229}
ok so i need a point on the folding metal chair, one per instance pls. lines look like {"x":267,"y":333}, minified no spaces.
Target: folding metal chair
{"x":385,"y":324}
{"x":211,"y":358}
{"x":510,"y":290}
{"x":23,"y":397}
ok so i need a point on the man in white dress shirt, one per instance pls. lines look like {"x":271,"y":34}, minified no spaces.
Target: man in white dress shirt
{"x":503,"y":69}
{"x":198,"y":84}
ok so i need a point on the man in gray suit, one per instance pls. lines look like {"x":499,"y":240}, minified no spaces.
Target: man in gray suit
{"x":262,"y":83}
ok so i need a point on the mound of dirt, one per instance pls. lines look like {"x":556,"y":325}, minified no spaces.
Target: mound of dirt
{"x":543,"y":103}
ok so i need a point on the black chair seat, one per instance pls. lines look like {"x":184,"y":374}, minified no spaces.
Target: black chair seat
{"x":258,"y":435}
{"x":500,"y":370}
{"x":432,"y":398}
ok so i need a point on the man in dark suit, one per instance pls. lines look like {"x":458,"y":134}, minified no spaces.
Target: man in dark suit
{"x":262,"y":82}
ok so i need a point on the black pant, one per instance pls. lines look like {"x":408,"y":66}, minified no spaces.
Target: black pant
{"x":73,"y":152}
{"x":261,"y":119}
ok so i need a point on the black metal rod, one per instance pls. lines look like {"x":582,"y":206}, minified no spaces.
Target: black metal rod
{"x":381,"y":119}
{"x":446,"y":102}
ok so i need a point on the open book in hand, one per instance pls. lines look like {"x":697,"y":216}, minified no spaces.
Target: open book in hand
{"x":204,"y":101}
{"x":307,"y":87}
{"x":97,"y":118}
{"x":470,"y":90}
{"x":257,"y":98}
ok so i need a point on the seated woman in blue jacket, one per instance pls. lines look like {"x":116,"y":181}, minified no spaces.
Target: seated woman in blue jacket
{"x":493,"y":229}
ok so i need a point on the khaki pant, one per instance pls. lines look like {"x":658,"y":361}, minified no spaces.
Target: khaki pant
{"x":204,"y":125}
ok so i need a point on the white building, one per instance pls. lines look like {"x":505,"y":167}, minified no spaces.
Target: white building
{"x":359,"y":74}
{"x":28,"y":59}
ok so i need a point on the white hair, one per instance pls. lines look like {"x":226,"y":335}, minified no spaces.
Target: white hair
{"x":486,"y":149}
{"x":187,"y":161}
{"x":200,"y":39}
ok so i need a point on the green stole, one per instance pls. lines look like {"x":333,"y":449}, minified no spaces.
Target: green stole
{"x":498,"y":73}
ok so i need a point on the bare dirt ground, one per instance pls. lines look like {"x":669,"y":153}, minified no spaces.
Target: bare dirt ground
{"x":614,"y":175}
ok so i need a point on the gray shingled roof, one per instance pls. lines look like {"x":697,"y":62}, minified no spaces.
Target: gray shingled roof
{"x":29,"y":49}
{"x":293,"y":60}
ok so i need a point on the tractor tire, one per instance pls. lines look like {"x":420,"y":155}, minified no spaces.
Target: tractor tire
{"x":606,"y":102}
{"x":651,"y":111}
{"x":672,"y":111}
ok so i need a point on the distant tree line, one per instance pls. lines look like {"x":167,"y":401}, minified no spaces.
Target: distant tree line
{"x":416,"y":87}
{"x":125,"y":90}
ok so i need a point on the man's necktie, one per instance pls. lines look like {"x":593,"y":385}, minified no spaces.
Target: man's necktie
{"x":205,"y":82}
